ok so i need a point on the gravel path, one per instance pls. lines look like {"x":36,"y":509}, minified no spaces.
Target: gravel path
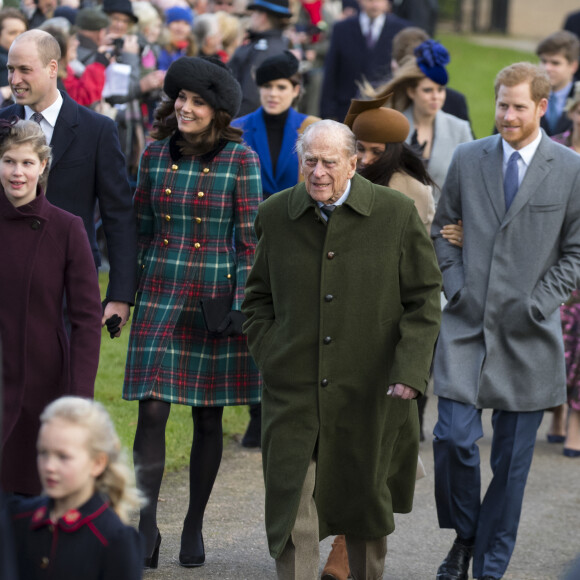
{"x":236,"y":543}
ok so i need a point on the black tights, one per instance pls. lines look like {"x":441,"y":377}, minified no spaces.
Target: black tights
{"x":149,"y":459}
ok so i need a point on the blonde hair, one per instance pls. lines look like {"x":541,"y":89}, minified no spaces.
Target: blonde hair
{"x":231,"y":30}
{"x":147,"y":14}
{"x":17,"y":132}
{"x":117,"y":480}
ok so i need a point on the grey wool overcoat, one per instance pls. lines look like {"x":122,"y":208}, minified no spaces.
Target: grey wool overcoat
{"x":336,"y":313}
{"x":500,"y":344}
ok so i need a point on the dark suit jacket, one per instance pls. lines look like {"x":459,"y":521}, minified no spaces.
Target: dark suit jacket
{"x":88,"y":166}
{"x":572,"y":24}
{"x":563,"y":123}
{"x":350,"y":60}
{"x":456,"y":104}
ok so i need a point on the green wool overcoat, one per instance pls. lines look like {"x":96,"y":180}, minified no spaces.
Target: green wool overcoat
{"x":336,"y":313}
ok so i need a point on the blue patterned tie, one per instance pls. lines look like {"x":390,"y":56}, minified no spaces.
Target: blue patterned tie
{"x":511,"y":179}
{"x":552,"y":113}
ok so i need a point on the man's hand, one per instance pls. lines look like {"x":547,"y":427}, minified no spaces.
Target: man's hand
{"x":121,"y":309}
{"x":400,"y":391}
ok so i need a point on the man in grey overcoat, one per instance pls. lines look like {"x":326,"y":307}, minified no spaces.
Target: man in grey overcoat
{"x":501,"y":347}
{"x":343,"y":313}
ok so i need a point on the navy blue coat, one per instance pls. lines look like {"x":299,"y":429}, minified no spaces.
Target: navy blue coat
{"x":256,"y":138}
{"x":88,"y":166}
{"x":350,"y":60}
{"x":89,"y":543}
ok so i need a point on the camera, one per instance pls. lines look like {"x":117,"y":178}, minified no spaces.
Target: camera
{"x":118,"y":43}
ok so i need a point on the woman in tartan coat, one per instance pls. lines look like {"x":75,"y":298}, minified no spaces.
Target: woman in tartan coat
{"x":196,"y":200}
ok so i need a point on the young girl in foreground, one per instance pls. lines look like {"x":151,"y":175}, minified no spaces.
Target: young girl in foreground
{"x":78,"y":529}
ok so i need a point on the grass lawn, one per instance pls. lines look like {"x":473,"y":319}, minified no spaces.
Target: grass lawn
{"x":472,"y":71}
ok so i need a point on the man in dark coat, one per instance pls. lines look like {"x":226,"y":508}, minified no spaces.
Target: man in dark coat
{"x":343,"y":313}
{"x":268,"y":18}
{"x":360,"y":48}
{"x":87,"y":163}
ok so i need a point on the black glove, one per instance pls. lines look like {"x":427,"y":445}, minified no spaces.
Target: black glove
{"x":232,"y":324}
{"x":113,"y":325}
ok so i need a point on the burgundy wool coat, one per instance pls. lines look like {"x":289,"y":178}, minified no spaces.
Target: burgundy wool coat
{"x":45,"y":255}
{"x":195,"y":219}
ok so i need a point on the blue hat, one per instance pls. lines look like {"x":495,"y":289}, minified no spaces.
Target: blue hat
{"x":431,"y":59}
{"x":178,"y":13}
{"x":277,"y":7}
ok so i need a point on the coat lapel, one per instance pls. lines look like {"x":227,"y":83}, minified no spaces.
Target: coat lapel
{"x":491,"y":170}
{"x":537,"y":171}
{"x":65,"y":129}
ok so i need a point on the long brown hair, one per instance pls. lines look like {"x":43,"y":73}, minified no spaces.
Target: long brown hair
{"x":165,"y":125}
{"x":397,"y":157}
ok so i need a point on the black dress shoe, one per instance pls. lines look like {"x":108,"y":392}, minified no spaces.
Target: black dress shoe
{"x":456,"y":565}
{"x":489,"y":578}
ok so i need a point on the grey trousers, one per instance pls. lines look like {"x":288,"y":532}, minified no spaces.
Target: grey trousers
{"x":300,"y":558}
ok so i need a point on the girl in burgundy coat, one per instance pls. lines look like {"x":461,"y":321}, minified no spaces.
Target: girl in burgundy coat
{"x":45,"y":256}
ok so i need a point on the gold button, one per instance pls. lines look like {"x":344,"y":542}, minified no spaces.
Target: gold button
{"x":167,"y":191}
{"x":165,"y":242}
{"x":200,"y":194}
{"x":143,"y":267}
{"x":167,"y":218}
{"x":206,"y":170}
{"x":44,"y":563}
{"x":229,"y":276}
{"x":197,"y":245}
{"x":330,"y":255}
{"x":197,"y":220}
{"x":174,"y":167}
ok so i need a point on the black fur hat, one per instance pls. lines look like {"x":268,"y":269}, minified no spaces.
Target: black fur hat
{"x":209,"y":78}
{"x":279,"y":66}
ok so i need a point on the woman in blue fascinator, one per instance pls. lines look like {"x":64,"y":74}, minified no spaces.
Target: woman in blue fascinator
{"x":418,"y":91}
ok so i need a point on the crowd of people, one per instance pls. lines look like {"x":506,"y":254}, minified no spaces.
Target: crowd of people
{"x":285,"y":191}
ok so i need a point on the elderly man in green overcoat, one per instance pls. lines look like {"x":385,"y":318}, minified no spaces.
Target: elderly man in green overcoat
{"x":343,"y":311}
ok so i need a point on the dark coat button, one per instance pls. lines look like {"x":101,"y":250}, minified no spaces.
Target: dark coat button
{"x":330,"y":255}
{"x":35,"y":224}
{"x":327,"y":340}
{"x":324,"y":382}
{"x":329,"y":298}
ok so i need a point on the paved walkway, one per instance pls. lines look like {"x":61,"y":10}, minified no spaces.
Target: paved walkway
{"x":236,"y":543}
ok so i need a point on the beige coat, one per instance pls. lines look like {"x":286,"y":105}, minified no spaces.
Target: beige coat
{"x":420,"y":193}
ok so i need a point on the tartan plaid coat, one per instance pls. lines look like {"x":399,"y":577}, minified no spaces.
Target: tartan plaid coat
{"x":196,"y":240}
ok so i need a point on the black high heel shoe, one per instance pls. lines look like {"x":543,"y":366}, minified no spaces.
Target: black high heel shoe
{"x":192,"y":560}
{"x":153,"y":561}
